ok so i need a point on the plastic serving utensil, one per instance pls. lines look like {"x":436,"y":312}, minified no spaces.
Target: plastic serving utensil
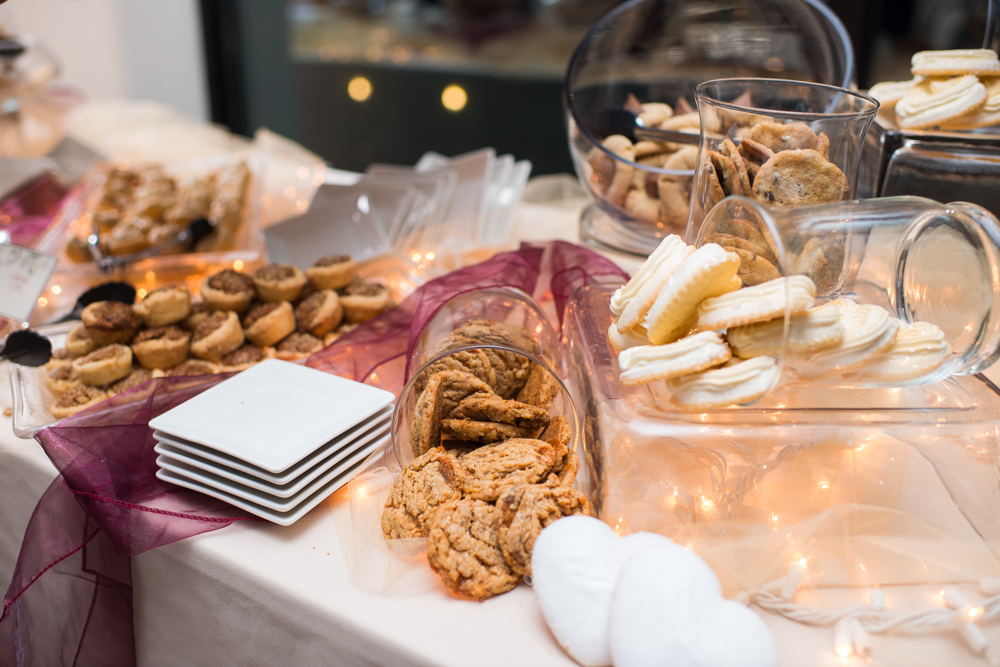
{"x":27,"y":348}
{"x":187,"y":239}
{"x":624,"y":122}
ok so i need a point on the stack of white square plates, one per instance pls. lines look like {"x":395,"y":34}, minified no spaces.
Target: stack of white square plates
{"x":275,"y":440}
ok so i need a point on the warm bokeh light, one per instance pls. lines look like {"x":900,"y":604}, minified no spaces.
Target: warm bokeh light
{"x":42,"y":301}
{"x":237,"y":265}
{"x":454,"y":98}
{"x":141,"y":293}
{"x":56,"y":289}
{"x":359,"y":89}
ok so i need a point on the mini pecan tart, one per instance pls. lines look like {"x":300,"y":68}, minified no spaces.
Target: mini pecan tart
{"x":194,"y":367}
{"x":244,"y":357}
{"x":104,"y":365}
{"x":199,"y":313}
{"x":362,"y":301}
{"x":61,"y":379}
{"x":217,"y":336}
{"x":279,"y":282}
{"x":269,"y":322}
{"x":76,"y":399}
{"x":319,"y":313}
{"x":165,"y":305}
{"x":228,"y":290}
{"x":110,"y":322}
{"x":133,"y":379}
{"x":332,"y":272}
{"x":298,"y":346}
{"x":162,"y":347}
{"x":78,"y":342}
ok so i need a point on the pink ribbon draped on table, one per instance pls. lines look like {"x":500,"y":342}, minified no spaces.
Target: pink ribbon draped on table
{"x":70,"y":600}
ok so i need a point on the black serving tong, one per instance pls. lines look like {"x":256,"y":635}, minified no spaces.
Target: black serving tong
{"x":27,"y":348}
{"x":624,"y":122}
{"x":30,"y":348}
{"x":110,"y":291}
{"x":187,"y":240}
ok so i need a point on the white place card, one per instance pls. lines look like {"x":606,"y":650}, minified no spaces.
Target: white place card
{"x":23,"y":275}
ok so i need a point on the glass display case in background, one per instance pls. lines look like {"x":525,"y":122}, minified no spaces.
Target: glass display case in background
{"x":362,"y":81}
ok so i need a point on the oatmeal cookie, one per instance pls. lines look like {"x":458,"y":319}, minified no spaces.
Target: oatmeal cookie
{"x":482,"y":432}
{"x":476,"y":362}
{"x":443,"y":393}
{"x":495,"y":409}
{"x":464,"y":549}
{"x":524,"y":510}
{"x":540,"y":389}
{"x":426,"y":483}
{"x":799,"y":178}
{"x":491,"y":468}
{"x":559,"y":434}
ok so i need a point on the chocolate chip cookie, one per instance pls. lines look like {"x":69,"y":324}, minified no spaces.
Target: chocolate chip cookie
{"x":524,"y":510}
{"x":425,"y":484}
{"x":799,"y":178}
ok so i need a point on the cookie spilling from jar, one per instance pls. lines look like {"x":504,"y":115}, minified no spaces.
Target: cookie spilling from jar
{"x":492,"y":466}
{"x":686,"y":319}
{"x":951,"y":90}
{"x":278,"y":311}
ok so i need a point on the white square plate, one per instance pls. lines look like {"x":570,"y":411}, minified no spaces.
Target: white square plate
{"x":279,"y":490}
{"x":376,"y":423}
{"x":274,"y":414}
{"x":280,"y":518}
{"x":260,"y":497}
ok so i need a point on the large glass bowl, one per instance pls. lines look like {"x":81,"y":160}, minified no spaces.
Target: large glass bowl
{"x":658,"y":51}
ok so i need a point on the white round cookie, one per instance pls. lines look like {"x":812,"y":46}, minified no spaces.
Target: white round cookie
{"x":574,"y":567}
{"x":668,"y":611}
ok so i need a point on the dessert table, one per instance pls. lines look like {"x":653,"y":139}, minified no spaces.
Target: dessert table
{"x":262,"y":594}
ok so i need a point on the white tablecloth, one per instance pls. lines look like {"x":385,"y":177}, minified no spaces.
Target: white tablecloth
{"x":261,"y":594}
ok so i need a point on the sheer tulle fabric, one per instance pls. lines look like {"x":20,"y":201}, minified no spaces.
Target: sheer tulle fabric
{"x":70,"y":600}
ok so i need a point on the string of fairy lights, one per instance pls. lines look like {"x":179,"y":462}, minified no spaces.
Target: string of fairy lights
{"x":852,"y":626}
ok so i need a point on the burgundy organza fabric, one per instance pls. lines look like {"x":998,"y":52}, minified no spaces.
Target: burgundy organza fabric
{"x":70,"y":600}
{"x":27,"y":214}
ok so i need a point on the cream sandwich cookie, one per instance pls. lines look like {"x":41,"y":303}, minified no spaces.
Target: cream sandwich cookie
{"x":709,"y":271}
{"x":620,"y":341}
{"x":888,"y":93}
{"x":934,"y":101}
{"x":649,"y":363}
{"x":738,"y":383}
{"x":955,"y":62}
{"x":632,"y":301}
{"x":917,"y":350}
{"x":868,"y":331}
{"x":809,"y":331}
{"x":759,"y":303}
{"x":984,"y":116}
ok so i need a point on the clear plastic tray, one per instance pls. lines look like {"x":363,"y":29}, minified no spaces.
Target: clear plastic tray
{"x":32,"y":397}
{"x":73,"y":221}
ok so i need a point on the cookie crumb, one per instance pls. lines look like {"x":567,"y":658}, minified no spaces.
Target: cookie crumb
{"x":8,"y":412}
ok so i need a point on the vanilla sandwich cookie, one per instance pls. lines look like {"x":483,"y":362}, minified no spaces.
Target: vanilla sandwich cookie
{"x":868,"y":331}
{"x":955,"y":62}
{"x":649,"y":363}
{"x":620,"y":341}
{"x":984,"y":116}
{"x":709,"y":271}
{"x":759,"y":303}
{"x":632,"y":301}
{"x":737,"y":383}
{"x":917,"y":350}
{"x":810,"y":330}
{"x":889,"y":93}
{"x":935,"y":101}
